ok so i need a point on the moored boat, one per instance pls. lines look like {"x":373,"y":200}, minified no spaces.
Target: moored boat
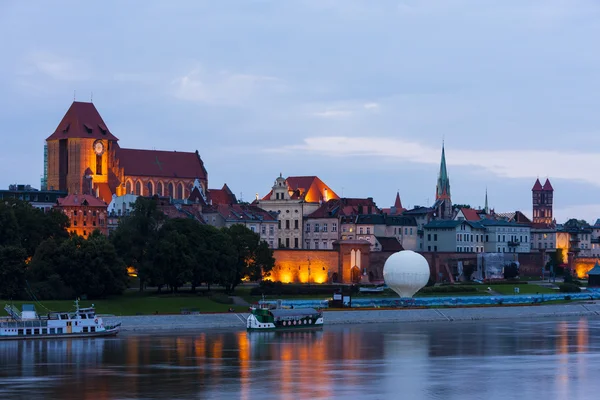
{"x":27,"y":324}
{"x":264,"y":318}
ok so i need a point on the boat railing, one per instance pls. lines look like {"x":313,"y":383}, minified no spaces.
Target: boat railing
{"x":24,"y":324}
{"x":13,"y":312}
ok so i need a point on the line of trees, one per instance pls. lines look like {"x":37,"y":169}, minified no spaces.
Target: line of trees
{"x":39,"y":259}
{"x":168,"y":253}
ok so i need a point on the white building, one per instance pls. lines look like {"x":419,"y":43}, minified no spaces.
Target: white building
{"x":506,"y":237}
{"x":451,"y":236}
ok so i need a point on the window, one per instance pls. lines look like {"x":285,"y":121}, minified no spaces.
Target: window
{"x":98,"y":164}
{"x":429,"y":238}
{"x":295,"y":243}
{"x":324,"y":227}
{"x":503,"y":238}
{"x":307,"y":244}
{"x":159,"y":189}
{"x":93,"y":329}
{"x":271,"y":230}
{"x":368,"y":231}
{"x":307,"y":227}
{"x":287,"y":224}
{"x":287,"y":242}
{"x":279,"y":242}
{"x":360,"y":230}
{"x":296,"y":224}
{"x":435,"y":239}
{"x":278,"y":224}
{"x":428,"y":248}
{"x":52,"y":331}
{"x":487,"y":238}
{"x":85,"y":329}
{"x":316,"y":227}
{"x":252,"y":228}
{"x":434,"y":248}
{"x":263,"y":230}
{"x":271,"y":243}
{"x":411,"y":231}
{"x":316,"y":244}
{"x":334,"y":227}
{"x":324,"y":244}
{"x":406,"y":231}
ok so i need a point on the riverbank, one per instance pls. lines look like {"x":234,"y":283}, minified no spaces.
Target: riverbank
{"x":147,"y":323}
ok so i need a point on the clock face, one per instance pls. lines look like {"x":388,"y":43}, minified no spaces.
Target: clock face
{"x":99,"y":147}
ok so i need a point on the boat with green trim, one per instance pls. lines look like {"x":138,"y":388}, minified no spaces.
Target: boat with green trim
{"x":264,"y":318}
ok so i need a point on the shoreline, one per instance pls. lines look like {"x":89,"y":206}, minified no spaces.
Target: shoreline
{"x":176,"y":322}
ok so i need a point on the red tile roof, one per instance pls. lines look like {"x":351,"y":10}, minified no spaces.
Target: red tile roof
{"x":78,"y":200}
{"x":470,"y":214}
{"x":167,"y":164}
{"x":537,"y":185}
{"x":82,"y":120}
{"x":547,"y":186}
{"x":104,"y":192}
{"x":308,"y":188}
{"x":222,"y":196}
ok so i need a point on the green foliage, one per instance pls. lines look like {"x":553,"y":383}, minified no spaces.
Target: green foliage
{"x":12,"y":271}
{"x":77,"y":267}
{"x":569,"y":288}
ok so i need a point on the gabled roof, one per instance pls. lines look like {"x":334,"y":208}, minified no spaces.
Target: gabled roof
{"x":500,"y":222}
{"x":470,"y":214}
{"x":441,"y":224}
{"x":80,"y":200}
{"x":82,"y":120}
{"x":370,"y":219}
{"x":548,"y":186}
{"x":308,"y":188}
{"x":222,"y":196}
{"x":537,"y":186}
{"x":390,"y":244}
{"x":167,"y":164}
{"x":595,"y":270}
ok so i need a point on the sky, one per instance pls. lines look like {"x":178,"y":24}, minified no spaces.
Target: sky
{"x":361,"y":93}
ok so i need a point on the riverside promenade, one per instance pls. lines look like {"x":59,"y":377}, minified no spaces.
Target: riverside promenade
{"x":237,"y":321}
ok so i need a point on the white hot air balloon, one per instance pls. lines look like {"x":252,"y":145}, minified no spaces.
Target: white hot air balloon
{"x":406,"y":272}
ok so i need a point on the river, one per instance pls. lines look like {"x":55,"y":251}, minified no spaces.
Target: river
{"x":499,"y":359}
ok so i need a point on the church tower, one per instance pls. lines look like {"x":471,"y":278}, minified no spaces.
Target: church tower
{"x":80,"y":152}
{"x":543,"y":199}
{"x":443,"y":201}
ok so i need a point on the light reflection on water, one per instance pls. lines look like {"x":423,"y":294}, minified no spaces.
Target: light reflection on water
{"x":556,"y":359}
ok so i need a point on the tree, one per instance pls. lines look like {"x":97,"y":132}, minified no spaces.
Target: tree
{"x":136,"y":236}
{"x":254,"y":259}
{"x":175,"y":257}
{"x":12,"y":271}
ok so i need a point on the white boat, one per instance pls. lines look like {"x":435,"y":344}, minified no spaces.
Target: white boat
{"x":266,"y":318}
{"x":27,"y":324}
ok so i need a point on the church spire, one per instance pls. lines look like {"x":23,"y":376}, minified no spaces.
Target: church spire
{"x":443,"y":183}
{"x":487,"y":210}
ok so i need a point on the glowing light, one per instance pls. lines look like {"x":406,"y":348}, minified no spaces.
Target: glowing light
{"x":131,"y":271}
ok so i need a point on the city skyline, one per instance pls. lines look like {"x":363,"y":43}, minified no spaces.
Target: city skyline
{"x":360,"y":94}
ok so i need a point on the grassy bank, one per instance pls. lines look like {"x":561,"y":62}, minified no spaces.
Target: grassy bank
{"x":134,"y":303}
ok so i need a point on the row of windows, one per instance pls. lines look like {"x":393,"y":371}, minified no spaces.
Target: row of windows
{"x":318,"y":244}
{"x":175,"y":191}
{"x":287,"y":224}
{"x":287,"y":243}
{"x":398,"y":231}
{"x":324,"y":227}
{"x":513,"y":238}
{"x":100,"y":222}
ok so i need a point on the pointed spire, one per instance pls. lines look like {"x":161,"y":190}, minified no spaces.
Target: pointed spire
{"x":398,"y":203}
{"x":443,"y":183}
{"x":548,"y":186}
{"x":537,"y":186}
{"x":487,"y":210}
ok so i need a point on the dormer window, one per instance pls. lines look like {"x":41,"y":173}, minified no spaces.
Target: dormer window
{"x":88,"y":128}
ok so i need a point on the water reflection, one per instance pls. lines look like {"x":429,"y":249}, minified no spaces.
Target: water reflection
{"x":496,"y":360}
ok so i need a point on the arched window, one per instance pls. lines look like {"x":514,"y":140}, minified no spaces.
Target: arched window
{"x":171,"y":190}
{"x":180,"y":191}
{"x":128,"y":188}
{"x":159,"y":189}
{"x":150,"y":187}
{"x":138,"y":188}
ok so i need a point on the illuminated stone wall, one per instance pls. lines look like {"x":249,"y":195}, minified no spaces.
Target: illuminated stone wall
{"x":583,"y":265}
{"x":292,"y":266}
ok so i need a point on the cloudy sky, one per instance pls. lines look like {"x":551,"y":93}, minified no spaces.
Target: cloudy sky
{"x":359,"y":92}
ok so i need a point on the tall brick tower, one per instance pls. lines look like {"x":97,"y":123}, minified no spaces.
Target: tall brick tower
{"x":79,"y":150}
{"x":543,"y":199}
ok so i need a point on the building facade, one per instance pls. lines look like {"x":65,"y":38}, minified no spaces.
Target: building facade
{"x":86,"y":214}
{"x":84,"y":157}
{"x":460,"y":236}
{"x":253,"y":217}
{"x":506,"y":237}
{"x":41,"y":199}
{"x":291,"y":199}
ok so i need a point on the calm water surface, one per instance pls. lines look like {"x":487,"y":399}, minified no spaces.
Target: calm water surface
{"x":547,"y":359}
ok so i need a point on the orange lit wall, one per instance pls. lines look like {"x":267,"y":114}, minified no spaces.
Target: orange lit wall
{"x":292,"y":266}
{"x":583,"y":265}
